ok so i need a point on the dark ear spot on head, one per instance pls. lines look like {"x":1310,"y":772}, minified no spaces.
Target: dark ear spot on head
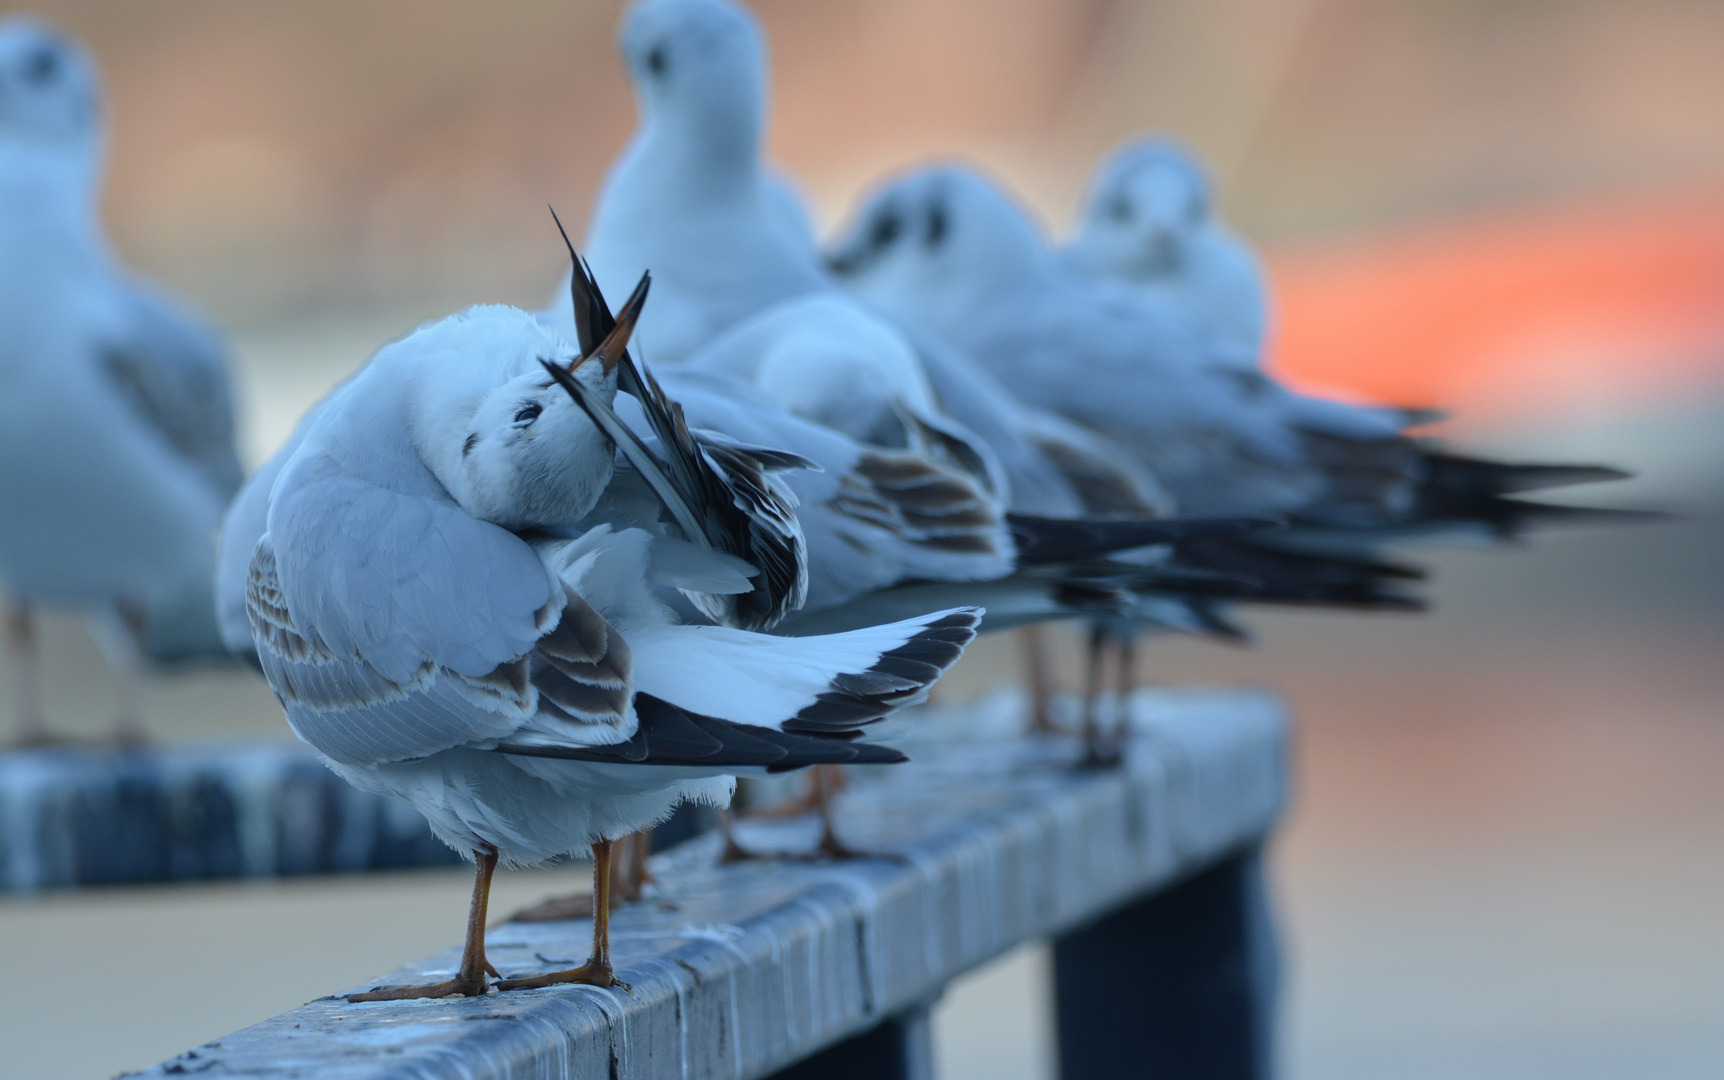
{"x":42,"y":66}
{"x":936,"y":225}
{"x":467,"y":447}
{"x":656,"y":61}
{"x":1119,"y":208}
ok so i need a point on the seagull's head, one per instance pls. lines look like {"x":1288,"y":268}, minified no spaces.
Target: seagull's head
{"x":1145,"y":204}
{"x":933,"y":233}
{"x":49,"y":91}
{"x":507,"y":443}
{"x":700,"y":63}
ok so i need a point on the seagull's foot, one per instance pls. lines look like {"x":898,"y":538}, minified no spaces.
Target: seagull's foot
{"x":1098,"y":756}
{"x":557,"y":909}
{"x":591,"y":973}
{"x":735,"y":853}
{"x":463,"y":985}
{"x":1041,"y":724}
{"x":805,"y":803}
{"x":833,"y":849}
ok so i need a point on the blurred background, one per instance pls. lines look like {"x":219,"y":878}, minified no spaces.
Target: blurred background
{"x":1506,"y":856}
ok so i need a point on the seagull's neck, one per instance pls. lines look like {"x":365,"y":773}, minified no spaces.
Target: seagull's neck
{"x":711,"y":149}
{"x":49,"y":191}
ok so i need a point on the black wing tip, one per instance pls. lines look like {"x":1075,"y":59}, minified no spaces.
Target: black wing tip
{"x":1044,"y":540}
{"x":670,"y":735}
{"x":898,"y":677}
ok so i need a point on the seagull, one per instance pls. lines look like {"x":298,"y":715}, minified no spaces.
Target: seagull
{"x":447,"y":619}
{"x":731,"y":247}
{"x":727,"y":240}
{"x":691,"y":199}
{"x":946,"y":249}
{"x":116,"y":415}
{"x":1149,"y":221}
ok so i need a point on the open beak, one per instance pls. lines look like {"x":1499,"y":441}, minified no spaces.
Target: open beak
{"x":614,"y":347}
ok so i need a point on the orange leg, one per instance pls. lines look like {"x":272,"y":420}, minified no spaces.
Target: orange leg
{"x":597,"y":970}
{"x":1097,"y":752}
{"x":830,"y":847}
{"x":628,"y":868}
{"x":469,"y":980}
{"x":1038,"y":679}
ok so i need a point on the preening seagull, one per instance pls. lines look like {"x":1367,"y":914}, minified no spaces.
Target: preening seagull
{"x":445,"y":617}
{"x":116,"y":419}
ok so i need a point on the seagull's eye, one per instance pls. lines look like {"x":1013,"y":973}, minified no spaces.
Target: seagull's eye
{"x":656,"y":60}
{"x":936,"y":225}
{"x":42,"y":66}
{"x":1119,"y":209}
{"x":472,"y":441}
{"x":529,"y":412}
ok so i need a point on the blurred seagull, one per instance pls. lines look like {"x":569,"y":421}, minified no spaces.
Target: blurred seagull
{"x":116,"y":418}
{"x":727,"y":239}
{"x":1149,"y":221}
{"x":688,"y":199}
{"x":947,"y":250}
{"x":445,"y":616}
{"x":691,"y":199}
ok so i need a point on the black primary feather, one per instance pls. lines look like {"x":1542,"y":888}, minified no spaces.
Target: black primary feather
{"x":719,"y":492}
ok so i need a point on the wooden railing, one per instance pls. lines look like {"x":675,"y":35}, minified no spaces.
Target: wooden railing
{"x":1147,"y":878}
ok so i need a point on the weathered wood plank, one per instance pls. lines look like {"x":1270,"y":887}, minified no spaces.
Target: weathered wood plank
{"x":741,"y":971}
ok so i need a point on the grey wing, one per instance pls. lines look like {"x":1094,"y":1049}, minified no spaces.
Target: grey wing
{"x":172,"y":370}
{"x":348,"y":710}
{"x":402,"y":576}
{"x":571,"y":688}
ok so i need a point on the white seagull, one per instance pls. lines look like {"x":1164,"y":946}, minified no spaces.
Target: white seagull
{"x":444,"y":615}
{"x":116,"y":419}
{"x":946,"y":249}
{"x":726,"y":240}
{"x":1149,"y":221}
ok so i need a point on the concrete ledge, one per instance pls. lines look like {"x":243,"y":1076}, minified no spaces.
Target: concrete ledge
{"x":739,"y":971}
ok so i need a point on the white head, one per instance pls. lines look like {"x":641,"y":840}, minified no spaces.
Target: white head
{"x":935,"y":234}
{"x":507,"y":443}
{"x":50,"y":97}
{"x":700,"y":67}
{"x":827,"y":359}
{"x":1146,"y":203}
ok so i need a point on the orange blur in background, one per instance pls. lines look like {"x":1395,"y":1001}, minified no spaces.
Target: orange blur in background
{"x":1501,"y":313}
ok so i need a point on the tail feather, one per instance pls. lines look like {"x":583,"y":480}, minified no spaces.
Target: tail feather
{"x":1042,"y":541}
{"x":1268,"y":574}
{"x":668,"y":735}
{"x":1452,"y":472}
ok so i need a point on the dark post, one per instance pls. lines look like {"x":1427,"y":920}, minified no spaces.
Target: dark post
{"x":1178,"y":985}
{"x":901,"y":1048}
